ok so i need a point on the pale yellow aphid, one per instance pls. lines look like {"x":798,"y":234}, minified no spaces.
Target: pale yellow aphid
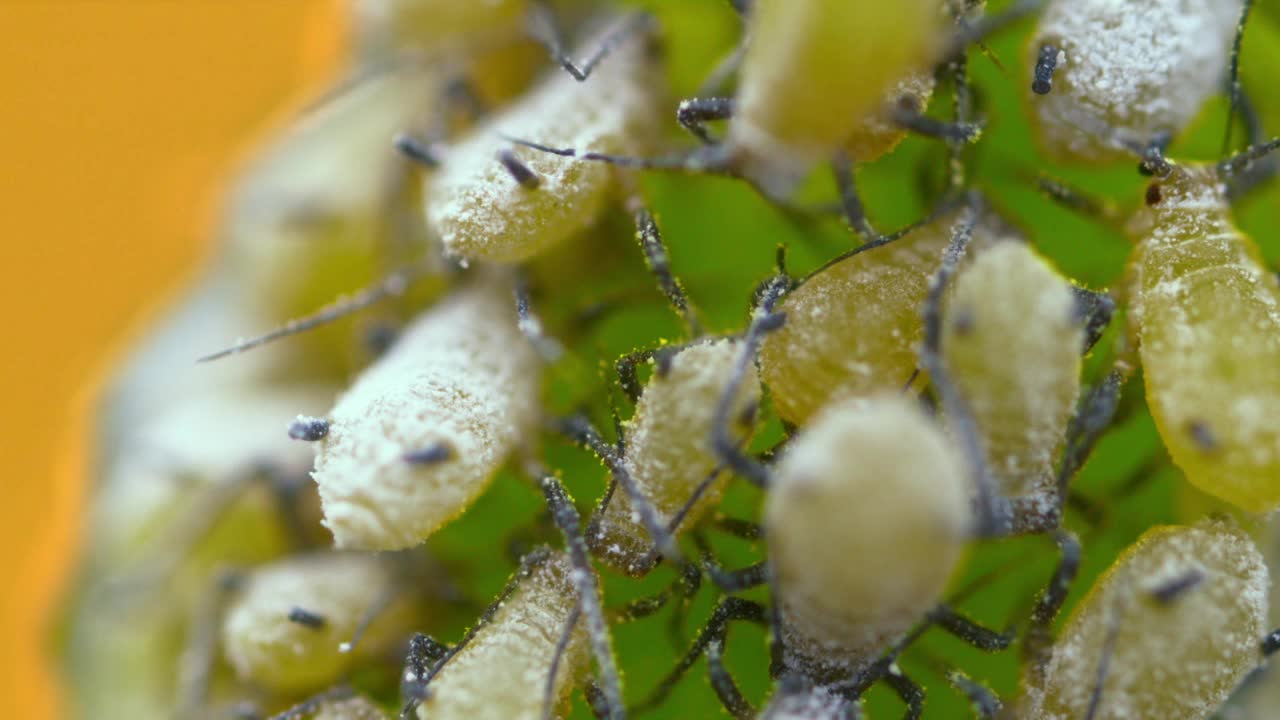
{"x":866,"y":520}
{"x":814,"y":71}
{"x":1011,"y":340}
{"x":501,"y":674}
{"x":481,"y":212}
{"x":341,"y":592}
{"x":668,"y":450}
{"x":462,"y":385}
{"x":1137,"y":69}
{"x":390,"y":26}
{"x":1206,"y":314}
{"x":854,"y":327}
{"x":352,"y":708}
{"x":1181,"y":615}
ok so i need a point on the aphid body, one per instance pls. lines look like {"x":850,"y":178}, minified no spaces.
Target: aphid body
{"x":1207,"y":317}
{"x":668,"y":451}
{"x":335,"y":594}
{"x":434,"y":25}
{"x":1141,"y":69}
{"x":422,"y":431}
{"x":502,"y":672}
{"x":866,"y":519}
{"x":481,"y":210}
{"x":352,"y":708}
{"x":1178,"y":620}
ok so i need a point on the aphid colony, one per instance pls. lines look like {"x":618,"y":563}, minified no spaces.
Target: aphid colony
{"x":277,"y":533}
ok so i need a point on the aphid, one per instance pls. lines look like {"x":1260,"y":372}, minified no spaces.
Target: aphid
{"x":461,"y":376}
{"x":1168,"y":631}
{"x":398,"y":26}
{"x":483,"y":210}
{"x":299,"y":624}
{"x":1206,"y":314}
{"x":1144,"y":70}
{"x":351,"y":708}
{"x":502,"y":667}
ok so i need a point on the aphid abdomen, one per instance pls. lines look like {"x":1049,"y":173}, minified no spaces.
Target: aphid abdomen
{"x":669,"y":452}
{"x":461,"y":380}
{"x":1208,"y":320}
{"x":853,"y":328}
{"x":1138,"y":68}
{"x":866,"y":520}
{"x":481,"y":211}
{"x":1011,"y":340}
{"x":502,"y":672}
{"x":338,"y":591}
{"x":1180,"y":616}
{"x":815,"y":70}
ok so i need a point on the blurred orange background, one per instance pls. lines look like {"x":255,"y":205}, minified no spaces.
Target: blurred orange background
{"x":121,"y":123}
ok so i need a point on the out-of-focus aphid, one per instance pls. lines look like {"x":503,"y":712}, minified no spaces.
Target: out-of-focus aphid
{"x":516,"y":655}
{"x":352,"y":708}
{"x":1169,"y":631}
{"x":297,"y":625}
{"x":1206,"y":314}
{"x":422,"y":431}
{"x":389,"y":27}
{"x":1143,"y":70}
{"x":486,"y":203}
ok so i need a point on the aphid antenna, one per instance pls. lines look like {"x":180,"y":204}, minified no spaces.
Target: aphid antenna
{"x":982,"y":698}
{"x":658,"y":260}
{"x":381,"y":602}
{"x":1094,"y":414}
{"x":315,"y":702}
{"x":1046,"y":63}
{"x":530,"y":325}
{"x":196,"y":664}
{"x":1098,"y":209}
{"x":545,"y":29}
{"x":587,"y":584}
{"x":1037,"y":644}
{"x":730,"y":581}
{"x":723,"y":684}
{"x":1242,"y":161}
{"x":1233,"y":77}
{"x":393,"y":285}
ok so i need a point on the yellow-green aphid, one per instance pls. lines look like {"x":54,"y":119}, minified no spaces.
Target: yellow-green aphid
{"x":853,"y":328}
{"x":1206,"y":313}
{"x":815,"y":70}
{"x":501,"y":674}
{"x":290,"y":627}
{"x":479,"y":208}
{"x":1136,"y":69}
{"x":1178,"y":619}
{"x":390,"y":26}
{"x":1011,"y":339}
{"x":866,"y":519}
{"x":422,"y":431}
{"x":668,"y":451}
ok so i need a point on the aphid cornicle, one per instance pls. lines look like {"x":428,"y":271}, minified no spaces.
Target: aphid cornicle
{"x":296,"y":625}
{"x":1206,"y":314}
{"x":486,"y":203}
{"x":422,"y":431}
{"x":908,"y":485}
{"x":1142,"y":69}
{"x":1168,"y":632}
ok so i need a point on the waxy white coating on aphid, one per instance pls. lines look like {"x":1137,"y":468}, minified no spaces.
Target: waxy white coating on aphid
{"x":1011,"y":340}
{"x":1175,"y":659}
{"x":1138,"y":67}
{"x":668,"y":450}
{"x":353,"y":708}
{"x":815,"y":703}
{"x":1207,"y":316}
{"x":815,"y":70}
{"x":481,"y":212}
{"x":866,"y":519}
{"x":268,"y":649}
{"x":502,"y":673}
{"x":461,"y":375}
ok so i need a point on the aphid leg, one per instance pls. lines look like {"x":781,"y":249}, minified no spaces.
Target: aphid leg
{"x":961,"y":111}
{"x":424,"y":652}
{"x":1093,"y":416}
{"x":693,"y":114}
{"x":686,"y":587}
{"x":1037,"y":645}
{"x":602,"y":706}
{"x":764,"y":320}
{"x":1094,"y":310}
{"x":659,"y":262}
{"x":1077,"y":200}
{"x":1233,"y":77}
{"x":730,"y":609}
{"x":907,"y":689}
{"x":1046,"y":62}
{"x":731,"y":581}
{"x":906,"y":113}
{"x":945,"y":206}
{"x":1262,"y":170}
{"x":531,"y":325}
{"x":982,"y":698}
{"x":544,"y":29}
{"x":196,"y":664}
{"x":380,"y":603}
{"x":1241,"y":162}
{"x":969,"y":631}
{"x":854,"y":212}
{"x":737,"y":527}
{"x":309,"y":706}
{"x":587,"y":585}
{"x":722,"y":682}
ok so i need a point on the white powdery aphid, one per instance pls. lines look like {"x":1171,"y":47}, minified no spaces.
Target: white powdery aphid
{"x":461,"y":380}
{"x":1139,"y":68}
{"x":866,"y":519}
{"x":336,"y":593}
{"x":481,"y":212}
{"x":668,"y":450}
{"x":1183,"y":611}
{"x":502,"y":672}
